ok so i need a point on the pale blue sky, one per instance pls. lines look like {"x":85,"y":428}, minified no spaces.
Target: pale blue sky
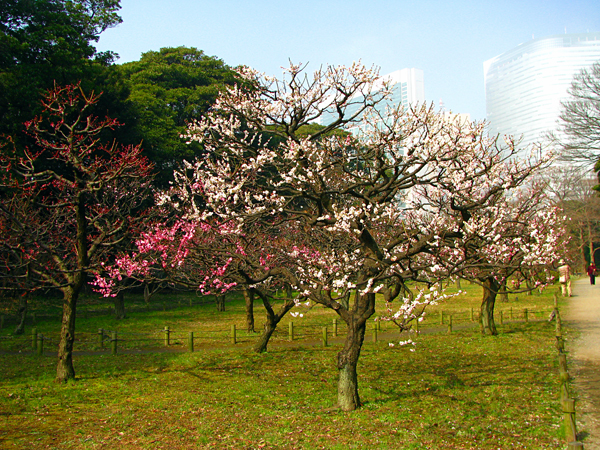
{"x":448,"y":40}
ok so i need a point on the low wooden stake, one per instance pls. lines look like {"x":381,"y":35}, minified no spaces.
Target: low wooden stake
{"x":40,"y":345}
{"x":568,"y":407}
{"x":191,"y":341}
{"x":113,"y":342}
{"x":167,"y":336}
{"x":34,"y":338}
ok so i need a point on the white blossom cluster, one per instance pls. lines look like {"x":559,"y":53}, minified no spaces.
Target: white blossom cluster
{"x":414,"y":196}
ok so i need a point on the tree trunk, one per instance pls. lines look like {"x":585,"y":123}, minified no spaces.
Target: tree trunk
{"x":490,"y":290}
{"x":458,"y":286}
{"x":582,"y":247}
{"x":503,"y":293}
{"x":119,"y":306}
{"x":220,"y":300}
{"x":22,"y":314}
{"x":65,"y":370}
{"x":268,"y":330}
{"x":272,"y":320}
{"x":348,"y":398}
{"x":249,"y":297}
{"x":530,"y":286}
{"x":147,"y":294}
{"x":356,"y":320}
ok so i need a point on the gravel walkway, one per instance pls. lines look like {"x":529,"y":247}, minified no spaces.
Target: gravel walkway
{"x":583,"y":314}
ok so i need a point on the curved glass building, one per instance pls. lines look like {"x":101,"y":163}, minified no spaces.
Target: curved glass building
{"x":524,"y":87}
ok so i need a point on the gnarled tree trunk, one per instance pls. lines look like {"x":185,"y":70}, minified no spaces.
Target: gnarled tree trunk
{"x":503,"y":293}
{"x":21,"y":315}
{"x":272,"y":319}
{"x":147,"y":293}
{"x":65,"y":370}
{"x":249,"y":298}
{"x":119,"y":300}
{"x":490,"y":289}
{"x":348,"y":398}
{"x":356,"y":321}
{"x":220,"y":301}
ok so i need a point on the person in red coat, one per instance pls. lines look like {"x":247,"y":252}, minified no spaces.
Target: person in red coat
{"x":592,"y":273}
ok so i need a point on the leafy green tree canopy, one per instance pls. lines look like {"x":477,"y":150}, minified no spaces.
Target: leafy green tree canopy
{"x":168,"y":89}
{"x":48,"y":42}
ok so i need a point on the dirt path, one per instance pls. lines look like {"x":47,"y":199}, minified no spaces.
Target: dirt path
{"x":583,"y":314}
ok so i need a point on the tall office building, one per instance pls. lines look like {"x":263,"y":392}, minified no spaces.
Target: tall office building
{"x":524,"y":87}
{"x":407,"y":86}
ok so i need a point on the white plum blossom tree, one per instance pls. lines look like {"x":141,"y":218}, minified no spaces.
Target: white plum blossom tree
{"x":519,"y":233}
{"x":361,"y":214}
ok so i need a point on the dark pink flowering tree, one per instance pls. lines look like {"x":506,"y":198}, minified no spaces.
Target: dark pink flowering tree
{"x":67,"y":202}
{"x":212,"y":258}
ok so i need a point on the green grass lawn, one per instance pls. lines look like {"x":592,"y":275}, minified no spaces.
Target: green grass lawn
{"x":455,"y":391}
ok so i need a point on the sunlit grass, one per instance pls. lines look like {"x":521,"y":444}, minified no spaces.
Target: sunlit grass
{"x":458,"y":391}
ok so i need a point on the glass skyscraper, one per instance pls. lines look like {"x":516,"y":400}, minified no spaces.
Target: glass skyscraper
{"x":524,"y":87}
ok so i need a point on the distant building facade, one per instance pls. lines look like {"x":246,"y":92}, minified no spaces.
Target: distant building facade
{"x":524,"y":87}
{"x":408,"y":88}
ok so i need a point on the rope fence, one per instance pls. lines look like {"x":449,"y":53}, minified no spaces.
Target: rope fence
{"x":323,"y":332}
{"x":567,"y":402}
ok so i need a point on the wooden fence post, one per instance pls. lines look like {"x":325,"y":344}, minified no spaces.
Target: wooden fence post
{"x":34,"y":338}
{"x":291,"y":331}
{"x":562,"y":367}
{"x":375,"y":333}
{"x":233,"y":336}
{"x":501,"y":317}
{"x":335,"y":330}
{"x":441,"y":317}
{"x":191,"y":341}
{"x":167,"y":336}
{"x":417,"y":325}
{"x":558,"y":328}
{"x":113,"y":342}
{"x":40,"y":345}
{"x":568,"y":407}
{"x":526,"y":314}
{"x":324,"y":336}
{"x":450,"y":324}
{"x":560,"y":344}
